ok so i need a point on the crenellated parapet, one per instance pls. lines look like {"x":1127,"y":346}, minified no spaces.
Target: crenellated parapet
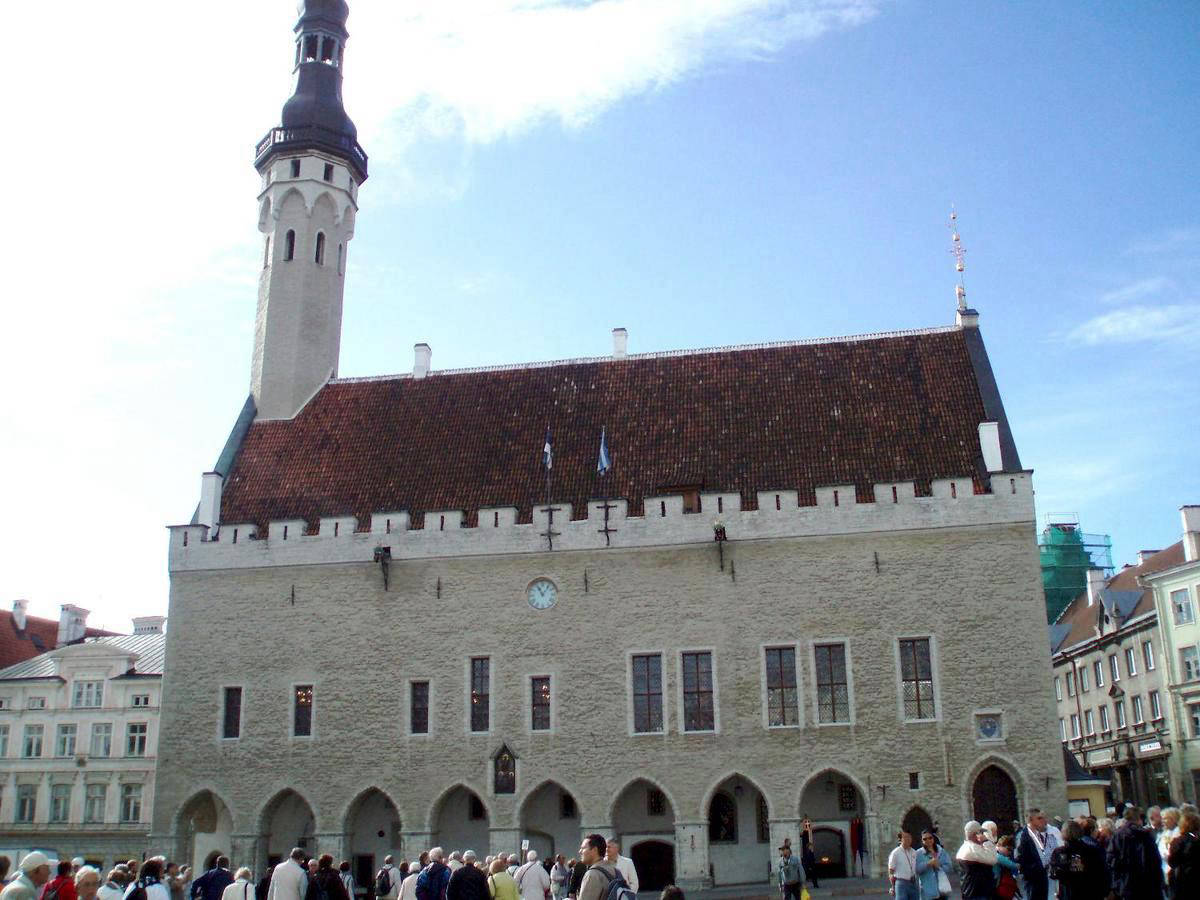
{"x":342,"y":539}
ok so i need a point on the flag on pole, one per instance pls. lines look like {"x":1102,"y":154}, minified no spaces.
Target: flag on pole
{"x":603,"y":464}
{"x":547,"y":453}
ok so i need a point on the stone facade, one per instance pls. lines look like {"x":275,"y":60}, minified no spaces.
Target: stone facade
{"x":313,"y":610}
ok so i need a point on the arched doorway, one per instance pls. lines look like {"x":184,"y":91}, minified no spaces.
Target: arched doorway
{"x":549,"y":820}
{"x":205,"y":826}
{"x":460,"y":822}
{"x":287,"y":822}
{"x":915,"y":821}
{"x":644,"y":823}
{"x":739,"y":837}
{"x":372,"y":831}
{"x":994,"y":797}
{"x":833,"y":804}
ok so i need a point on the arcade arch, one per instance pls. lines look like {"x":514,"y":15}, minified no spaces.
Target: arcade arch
{"x":205,"y":825}
{"x":372,"y":832}
{"x":549,"y":819}
{"x":643,"y":819}
{"x":739,"y":837}
{"x":287,"y":821}
{"x":459,"y":821}
{"x":834,"y":803}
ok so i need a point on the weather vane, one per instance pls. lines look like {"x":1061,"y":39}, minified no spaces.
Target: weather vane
{"x":959,"y":254}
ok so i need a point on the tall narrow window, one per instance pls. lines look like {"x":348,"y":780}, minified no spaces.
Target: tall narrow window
{"x":1148,"y":655}
{"x":94,"y":799}
{"x":916,"y":673}
{"x":1114,"y":667}
{"x":540,"y":703}
{"x":289,"y":246}
{"x":418,"y":707}
{"x":101,"y":745}
{"x":319,"y":255}
{"x":341,"y":259}
{"x":64,"y":741}
{"x":1104,"y":718}
{"x":328,"y":173}
{"x":328,"y":50}
{"x":1074,"y":725}
{"x":3,"y":741}
{"x":1070,"y":684}
{"x":310,"y":47}
{"x":1062,"y":728}
{"x":1098,"y":671}
{"x":722,"y":819}
{"x":647,"y":694}
{"x":1089,"y":722}
{"x":1138,"y":717}
{"x":699,"y":713}
{"x":135,"y":739}
{"x":1083,"y":679}
{"x":1057,"y":688}
{"x":1181,"y":607}
{"x":1119,"y":708}
{"x":26,"y":802}
{"x":481,"y":693}
{"x":1189,"y":663}
{"x":60,"y":802}
{"x":1130,"y":662}
{"x":32,"y":745}
{"x":267,"y":251}
{"x":782,"y":705}
{"x":656,"y":802}
{"x":833,"y":691}
{"x":295,"y":168}
{"x":1155,"y":706}
{"x":504,"y":779}
{"x":131,"y":803}
{"x":764,"y":821}
{"x":302,"y":705}
{"x":231,"y":720}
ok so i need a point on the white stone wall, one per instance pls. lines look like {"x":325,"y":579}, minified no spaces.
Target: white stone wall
{"x":314,"y":610}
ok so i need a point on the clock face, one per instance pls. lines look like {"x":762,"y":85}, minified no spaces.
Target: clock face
{"x":542,"y":594}
{"x":989,"y":726}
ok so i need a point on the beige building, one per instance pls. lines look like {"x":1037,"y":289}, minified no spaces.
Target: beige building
{"x":395,"y":626}
{"x":78,"y":741}
{"x":1176,"y":590}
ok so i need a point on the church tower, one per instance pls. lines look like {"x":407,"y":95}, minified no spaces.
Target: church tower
{"x":311,"y":168}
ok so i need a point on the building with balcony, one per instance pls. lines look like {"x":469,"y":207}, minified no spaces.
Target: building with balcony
{"x":78,"y":739}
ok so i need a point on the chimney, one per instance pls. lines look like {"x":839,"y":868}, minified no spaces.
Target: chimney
{"x":1095,"y":584}
{"x":72,"y":624}
{"x":210,"y":501}
{"x":620,"y":342}
{"x":19,"y":608}
{"x":989,"y":443}
{"x":148,"y":624}
{"x":1191,"y":532}
{"x":421,"y":357}
{"x":1144,"y":555}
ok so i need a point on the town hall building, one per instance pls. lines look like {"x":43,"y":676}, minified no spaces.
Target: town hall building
{"x":807,"y":586}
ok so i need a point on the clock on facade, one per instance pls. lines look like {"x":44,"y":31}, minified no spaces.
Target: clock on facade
{"x":542,"y":593}
{"x":989,"y":727}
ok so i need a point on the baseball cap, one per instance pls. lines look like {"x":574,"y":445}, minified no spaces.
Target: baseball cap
{"x":972,"y":828}
{"x":34,"y":860}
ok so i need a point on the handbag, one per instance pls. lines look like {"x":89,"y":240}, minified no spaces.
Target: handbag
{"x":804,"y":894}
{"x":944,"y":888}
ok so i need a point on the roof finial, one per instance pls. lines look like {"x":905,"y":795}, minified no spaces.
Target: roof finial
{"x":956,"y":248}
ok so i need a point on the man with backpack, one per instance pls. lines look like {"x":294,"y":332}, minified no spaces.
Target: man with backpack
{"x":434,"y":878}
{"x":62,"y":885}
{"x":1133,"y":860}
{"x":602,"y":881}
{"x":387,"y":880}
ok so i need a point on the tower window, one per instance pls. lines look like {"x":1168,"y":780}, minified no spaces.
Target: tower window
{"x":267,"y":252}
{"x":319,"y":256}
{"x":289,"y":246}
{"x":342,"y":263}
{"x":310,"y":47}
{"x":295,"y":168}
{"x":329,"y":171}
{"x":329,"y":51}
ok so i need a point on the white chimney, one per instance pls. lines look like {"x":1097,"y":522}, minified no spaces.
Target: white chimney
{"x":421,"y":358}
{"x":210,"y":501}
{"x":19,"y":608}
{"x":72,"y":624}
{"x":1144,"y":555}
{"x":620,"y":342}
{"x":989,"y":443}
{"x":148,"y":624}
{"x":1095,"y":584}
{"x":1191,"y":532}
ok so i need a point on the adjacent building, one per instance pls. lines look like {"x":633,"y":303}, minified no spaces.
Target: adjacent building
{"x":414,"y":610}
{"x":78,"y":738}
{"x":23,"y":636}
{"x":1176,"y":590}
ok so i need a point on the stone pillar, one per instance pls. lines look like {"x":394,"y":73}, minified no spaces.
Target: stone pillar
{"x":333,"y":843}
{"x":691,"y":856}
{"x":786,"y":830}
{"x":414,"y":843}
{"x":877,"y":848}
{"x":505,"y":840}
{"x":243,"y":851}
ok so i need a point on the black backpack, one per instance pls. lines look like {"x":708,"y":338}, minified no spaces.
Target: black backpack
{"x":383,"y":882}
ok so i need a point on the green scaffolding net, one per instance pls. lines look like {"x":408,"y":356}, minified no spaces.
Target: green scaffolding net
{"x":1066,"y":555}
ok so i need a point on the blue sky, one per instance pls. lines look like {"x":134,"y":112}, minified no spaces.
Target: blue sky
{"x":702,"y":173}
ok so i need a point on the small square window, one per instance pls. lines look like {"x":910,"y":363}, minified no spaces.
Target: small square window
{"x":141,"y":699}
{"x":566,"y":806}
{"x":36,"y":703}
{"x":847,"y":798}
{"x":914,"y":781}
{"x":656,"y":802}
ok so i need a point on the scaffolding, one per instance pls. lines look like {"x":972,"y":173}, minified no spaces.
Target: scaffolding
{"x":1066,"y":555}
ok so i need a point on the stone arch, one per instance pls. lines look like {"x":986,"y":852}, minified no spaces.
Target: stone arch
{"x":452,"y":822}
{"x":346,"y":220}
{"x":737,"y":852}
{"x":821,"y":772}
{"x":372,"y":824}
{"x":286,"y":820}
{"x":1008,"y":768}
{"x":325,"y":206}
{"x":729,"y":776}
{"x":264,"y":214}
{"x":289,"y":199}
{"x":916,"y":820}
{"x":204,"y":825}
{"x":651,"y":782}
{"x":540,"y":819}
{"x":833,"y":826}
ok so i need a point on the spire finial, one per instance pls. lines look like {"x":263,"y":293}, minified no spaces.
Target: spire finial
{"x":956,"y":249}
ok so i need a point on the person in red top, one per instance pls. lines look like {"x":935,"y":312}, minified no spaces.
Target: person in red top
{"x":61,"y":886}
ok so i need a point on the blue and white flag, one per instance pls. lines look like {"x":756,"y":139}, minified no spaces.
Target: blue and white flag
{"x":547,"y":453}
{"x":603,"y":464}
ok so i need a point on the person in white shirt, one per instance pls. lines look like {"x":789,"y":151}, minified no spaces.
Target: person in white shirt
{"x":242,"y":887}
{"x":623,"y":863}
{"x":902,"y":869}
{"x":533,"y":881}
{"x":289,"y":879}
{"x":408,"y":887}
{"x":394,"y":878}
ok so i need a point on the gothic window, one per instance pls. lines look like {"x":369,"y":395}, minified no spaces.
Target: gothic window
{"x":764,"y":822}
{"x":289,"y":246}
{"x":916,"y":673}
{"x":722,"y":819}
{"x":480,"y":693}
{"x":698,"y":710}
{"x":833,"y":692}
{"x":540,"y":703}
{"x":506,"y":772}
{"x":310,"y":47}
{"x":328,"y":50}
{"x":647,"y":694}
{"x":319,"y":254}
{"x":782,"y":708}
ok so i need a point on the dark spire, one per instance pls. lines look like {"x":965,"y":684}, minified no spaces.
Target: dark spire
{"x":313,"y":118}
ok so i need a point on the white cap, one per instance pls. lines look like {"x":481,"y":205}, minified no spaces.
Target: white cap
{"x":34,"y":860}
{"x":77,"y":862}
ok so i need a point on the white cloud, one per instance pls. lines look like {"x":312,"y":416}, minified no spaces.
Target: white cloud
{"x":1138,"y":290}
{"x":1135,"y":324}
{"x":1170,"y":241}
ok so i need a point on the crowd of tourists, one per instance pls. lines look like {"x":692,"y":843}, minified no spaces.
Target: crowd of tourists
{"x":1155,"y":856}
{"x":599,"y":872}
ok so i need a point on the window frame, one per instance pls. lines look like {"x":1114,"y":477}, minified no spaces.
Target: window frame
{"x":296,"y":706}
{"x":851,"y":717}
{"x":1089,"y":722}
{"x":933,"y":678}
{"x":1075,"y":732}
{"x":125,"y":797}
{"x":1114,"y":667}
{"x":60,"y":814}
{"x":1058,"y":688}
{"x":1105,"y":725}
{"x":92,"y":735}
{"x":223,"y":721}
{"x":66,"y":740}
{"x":551,"y":704}
{"x":1156,"y":713}
{"x":89,"y":818}
{"x":1084,"y":686}
{"x":664,"y":695}
{"x":715,"y":690}
{"x":1131,"y":669}
{"x":1098,"y":672}
{"x":1062,"y":728}
{"x":33,"y":732}
{"x":130,"y":736}
{"x":1176,"y":608}
{"x":408,"y":700}
{"x":468,"y":722}
{"x":1071,"y":690}
{"x":1138,"y":709}
{"x":763,"y":650}
{"x":5,"y":733}
{"x":1194,"y":714}
{"x":80,"y":690}
{"x":1119,"y":708}
{"x":1183,"y":664}
{"x":26,"y":796}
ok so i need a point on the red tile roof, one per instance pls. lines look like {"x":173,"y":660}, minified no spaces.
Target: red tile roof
{"x":849,"y":411}
{"x":1081,"y":618}
{"x":38,"y":636}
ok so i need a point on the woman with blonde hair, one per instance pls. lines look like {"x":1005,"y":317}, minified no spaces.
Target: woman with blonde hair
{"x":242,"y":886}
{"x":500,"y":884}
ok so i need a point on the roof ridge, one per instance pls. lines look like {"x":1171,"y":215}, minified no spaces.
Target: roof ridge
{"x":662,"y":354}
